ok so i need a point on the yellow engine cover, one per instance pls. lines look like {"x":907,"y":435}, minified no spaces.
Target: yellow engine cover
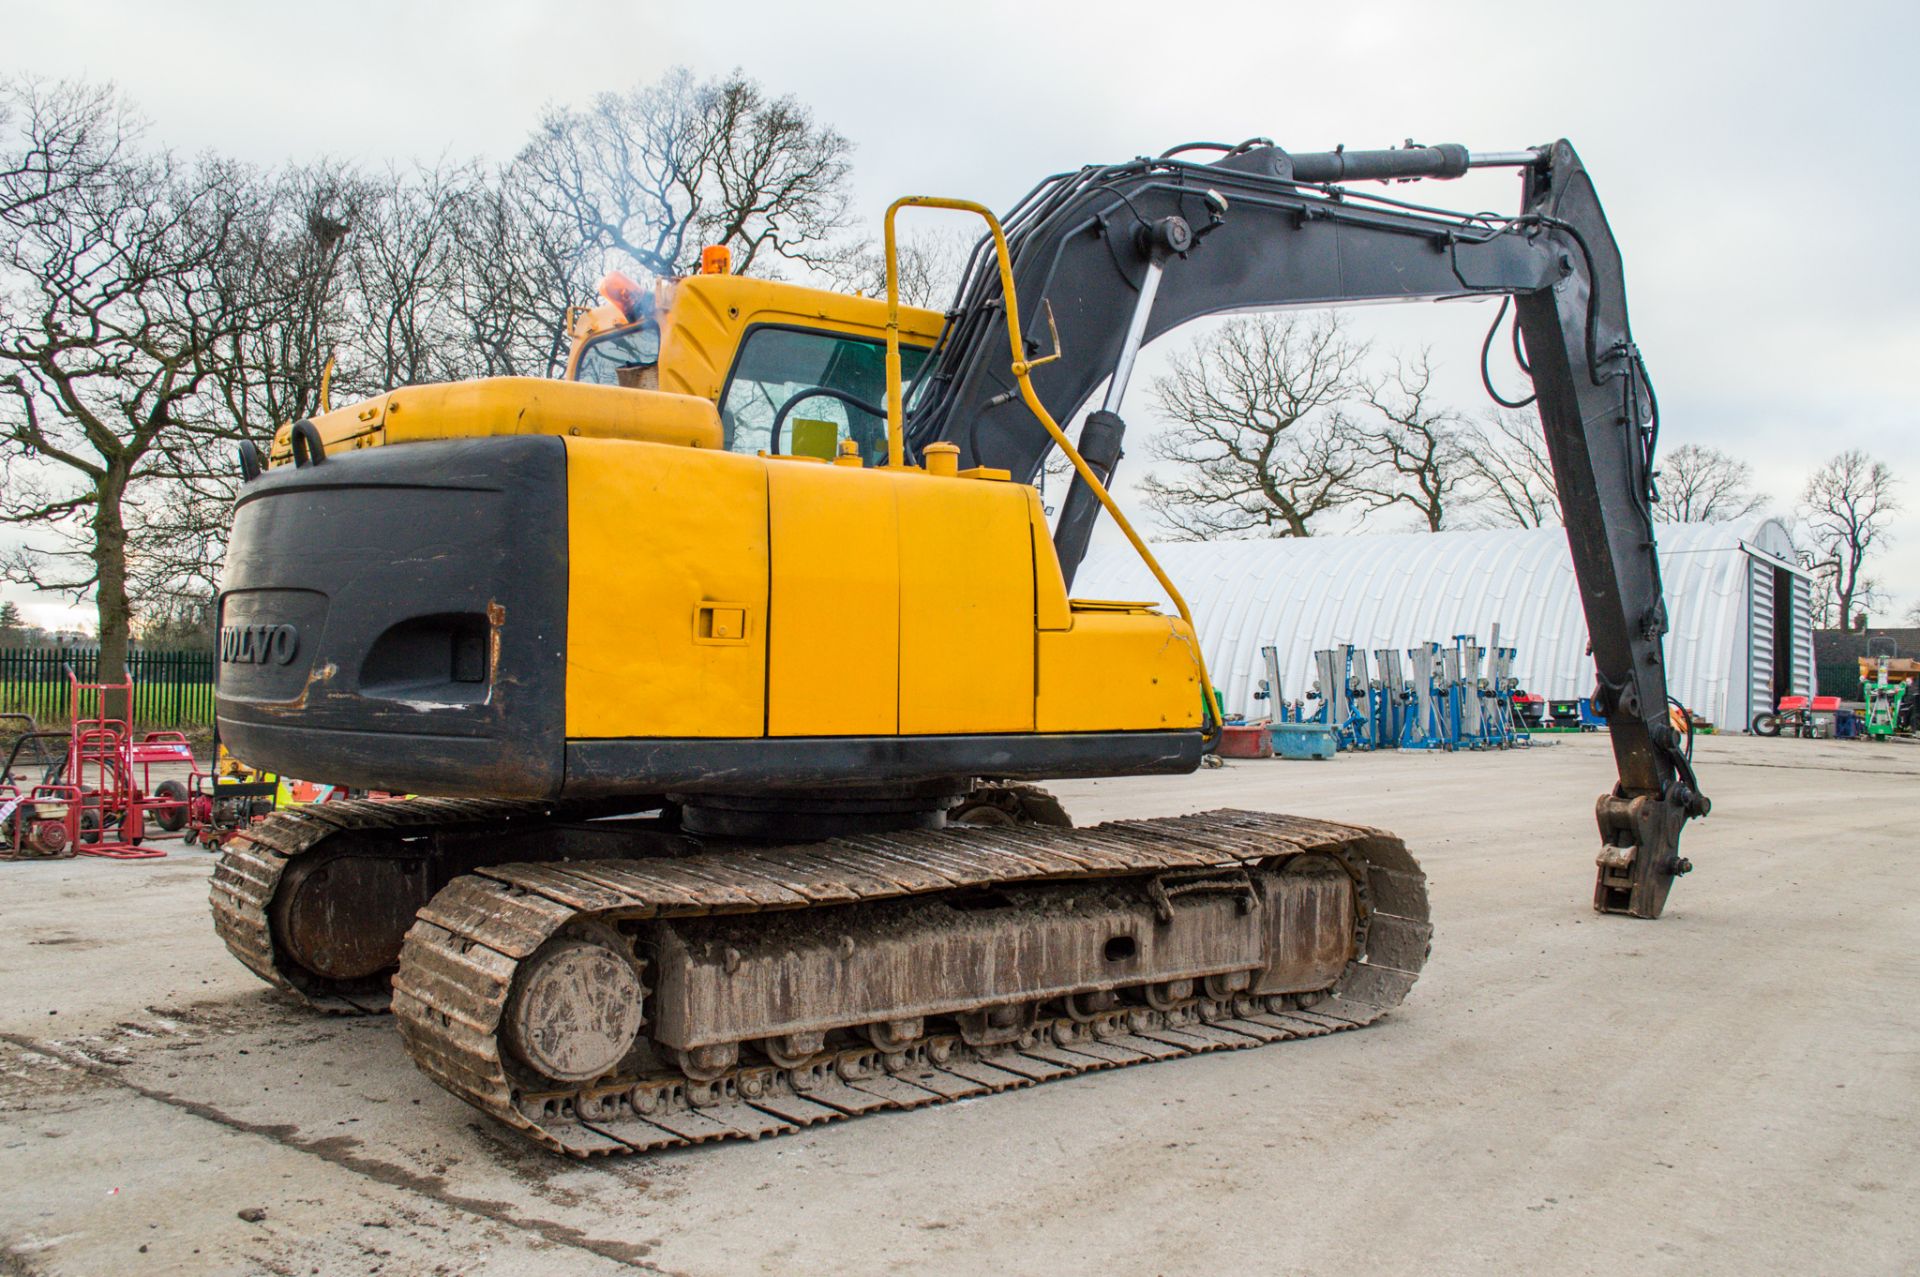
{"x":717,"y":595}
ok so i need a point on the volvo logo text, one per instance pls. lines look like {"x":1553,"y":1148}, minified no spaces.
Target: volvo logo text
{"x":258,"y":644}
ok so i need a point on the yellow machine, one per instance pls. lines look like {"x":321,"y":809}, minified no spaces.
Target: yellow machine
{"x":721,"y":718}
{"x":785,"y":597}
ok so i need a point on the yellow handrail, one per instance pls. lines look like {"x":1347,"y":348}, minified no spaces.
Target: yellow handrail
{"x":1022,"y":367}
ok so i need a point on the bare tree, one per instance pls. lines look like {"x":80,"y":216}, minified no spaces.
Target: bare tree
{"x":109,"y":313}
{"x":1417,"y":446}
{"x":1509,"y":474}
{"x":931,"y":264}
{"x":286,"y":268}
{"x":1848,"y":503}
{"x":282,"y":277}
{"x":404,"y":262}
{"x":1256,"y":438}
{"x":182,"y":622}
{"x":648,"y":177}
{"x":1704,"y":485}
{"x":61,"y":137}
{"x":521,"y":268}
{"x":426,"y":273}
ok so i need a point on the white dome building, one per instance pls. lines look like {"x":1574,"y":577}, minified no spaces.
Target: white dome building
{"x":1738,"y":602}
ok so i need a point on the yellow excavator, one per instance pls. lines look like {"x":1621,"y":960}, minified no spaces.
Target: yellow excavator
{"x":721,"y":671}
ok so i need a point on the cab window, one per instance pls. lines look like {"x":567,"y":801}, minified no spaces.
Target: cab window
{"x":775,"y":364}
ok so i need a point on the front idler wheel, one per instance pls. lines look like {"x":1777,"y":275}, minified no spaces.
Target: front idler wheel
{"x":576,"y":1008}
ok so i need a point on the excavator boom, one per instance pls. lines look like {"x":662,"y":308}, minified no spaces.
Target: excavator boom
{"x":1113,"y":256}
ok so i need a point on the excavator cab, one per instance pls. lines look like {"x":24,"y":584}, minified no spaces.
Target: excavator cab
{"x":772,"y":343}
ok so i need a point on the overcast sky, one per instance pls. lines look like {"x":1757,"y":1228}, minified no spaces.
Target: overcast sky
{"x":1757,"y":160}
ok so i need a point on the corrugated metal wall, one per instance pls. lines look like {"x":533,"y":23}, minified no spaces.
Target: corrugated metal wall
{"x":1760,"y":638}
{"x":1804,"y":683}
{"x":1399,"y":590}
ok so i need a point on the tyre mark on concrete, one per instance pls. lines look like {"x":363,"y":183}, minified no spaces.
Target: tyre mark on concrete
{"x":1908,"y":774}
{"x":338,"y":1151}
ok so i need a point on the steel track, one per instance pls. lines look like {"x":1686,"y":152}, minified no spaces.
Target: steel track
{"x":255,"y":859}
{"x":458,"y":965}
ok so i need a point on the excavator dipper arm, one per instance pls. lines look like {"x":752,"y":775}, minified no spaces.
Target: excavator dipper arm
{"x":1116,"y":255}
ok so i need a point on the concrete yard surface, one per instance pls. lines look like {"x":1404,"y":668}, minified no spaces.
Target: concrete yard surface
{"x":1732,"y":1089}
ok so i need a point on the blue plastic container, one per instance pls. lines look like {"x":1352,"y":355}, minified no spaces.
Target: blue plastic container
{"x":1302,"y":740}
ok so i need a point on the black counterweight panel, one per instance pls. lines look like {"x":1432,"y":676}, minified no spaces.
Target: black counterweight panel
{"x":395,"y":619}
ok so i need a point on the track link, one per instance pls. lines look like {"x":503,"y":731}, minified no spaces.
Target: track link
{"x":253,"y":862}
{"x":458,"y":966}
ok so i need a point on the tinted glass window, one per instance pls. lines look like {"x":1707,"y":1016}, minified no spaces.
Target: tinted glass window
{"x":777,"y":363}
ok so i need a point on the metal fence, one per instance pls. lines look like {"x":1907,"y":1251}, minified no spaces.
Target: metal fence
{"x":170,"y":689}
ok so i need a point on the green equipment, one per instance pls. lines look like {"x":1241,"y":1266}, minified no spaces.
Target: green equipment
{"x":1884,"y":697}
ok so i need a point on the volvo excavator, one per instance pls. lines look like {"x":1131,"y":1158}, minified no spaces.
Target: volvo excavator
{"x":720,"y":671}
